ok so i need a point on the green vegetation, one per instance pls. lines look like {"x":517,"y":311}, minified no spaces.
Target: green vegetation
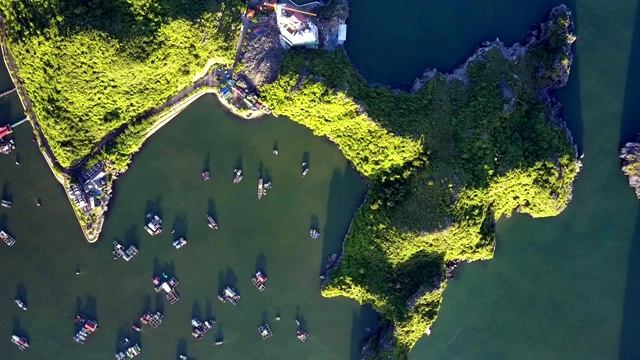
{"x":443,"y":165}
{"x":91,"y":67}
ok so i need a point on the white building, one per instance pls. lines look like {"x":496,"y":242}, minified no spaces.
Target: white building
{"x":295,"y":28}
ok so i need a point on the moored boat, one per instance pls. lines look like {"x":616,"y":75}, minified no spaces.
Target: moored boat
{"x":8,"y":239}
{"x":314,"y":234}
{"x":260,"y":188}
{"x":229,"y":294}
{"x":6,"y":203}
{"x":180,"y":243}
{"x":154,"y":226}
{"x":331,"y":260}
{"x":211,"y":223}
{"x":205,"y":175}
{"x":237,"y":177}
{"x":20,"y":341}
{"x":265,"y":331}
{"x":21,"y":304}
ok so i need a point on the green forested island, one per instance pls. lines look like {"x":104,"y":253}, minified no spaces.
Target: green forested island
{"x":443,"y":162}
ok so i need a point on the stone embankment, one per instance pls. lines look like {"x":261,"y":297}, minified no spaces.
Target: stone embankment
{"x":630,"y":155}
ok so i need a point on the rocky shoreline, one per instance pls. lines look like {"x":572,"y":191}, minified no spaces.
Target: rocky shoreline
{"x":630,"y":154}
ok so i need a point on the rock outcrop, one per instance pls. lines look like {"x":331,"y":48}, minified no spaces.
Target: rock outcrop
{"x":630,"y":154}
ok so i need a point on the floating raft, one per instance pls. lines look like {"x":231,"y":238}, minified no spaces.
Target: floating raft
{"x":154,"y":320}
{"x":265,"y":331}
{"x":8,"y":239}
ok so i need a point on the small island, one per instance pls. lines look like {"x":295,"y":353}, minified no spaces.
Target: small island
{"x":444,"y":161}
{"x":630,"y":155}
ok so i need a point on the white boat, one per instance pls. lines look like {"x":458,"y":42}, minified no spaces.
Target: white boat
{"x":180,"y":243}
{"x":212,"y":223}
{"x":6,"y":203}
{"x":8,"y":239}
{"x":260,"y":188}
{"x":154,"y":226}
{"x":21,"y":304}
{"x":20,"y":341}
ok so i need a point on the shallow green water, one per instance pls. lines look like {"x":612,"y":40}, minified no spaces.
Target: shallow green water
{"x":269,"y":235}
{"x":559,"y":288}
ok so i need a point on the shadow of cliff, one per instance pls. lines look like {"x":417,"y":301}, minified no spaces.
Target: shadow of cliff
{"x":630,"y":123}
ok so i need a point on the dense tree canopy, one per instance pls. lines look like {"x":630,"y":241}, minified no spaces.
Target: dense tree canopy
{"x":443,"y":165}
{"x":91,"y":66}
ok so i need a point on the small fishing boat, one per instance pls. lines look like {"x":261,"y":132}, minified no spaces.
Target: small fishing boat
{"x":237,"y":177}
{"x":212,"y":223}
{"x":261,"y":189}
{"x":259,"y":281}
{"x":205,"y":175}
{"x":179,"y":243}
{"x":20,"y":341}
{"x":6,"y":203}
{"x":314,"y":234}
{"x":331,"y":260}
{"x":21,"y":304}
{"x":135,"y":328}
{"x":218,"y":343}
{"x":305,"y":172}
{"x":301,"y":335}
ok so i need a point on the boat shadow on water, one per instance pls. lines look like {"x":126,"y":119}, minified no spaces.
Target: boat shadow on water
{"x":146,"y":305}
{"x":228,"y":278}
{"x":153,"y":207}
{"x":88,"y":308}
{"x":168,"y":268}
{"x":180,"y":226}
{"x":21,"y":293}
{"x":261,"y":263}
{"x":127,"y":332}
{"x":131,"y":237}
{"x":6,"y":191}
{"x":18,"y":329}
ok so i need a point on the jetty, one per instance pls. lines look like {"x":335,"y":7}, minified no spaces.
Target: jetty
{"x":265,"y":331}
{"x":169,"y":287}
{"x":128,"y":349}
{"x":8,"y":239}
{"x":229,"y":294}
{"x":120,"y":252}
{"x":200,"y":328}
{"x":154,"y":226}
{"x":154,"y":320}
{"x":87,"y":327}
{"x":259,"y":280}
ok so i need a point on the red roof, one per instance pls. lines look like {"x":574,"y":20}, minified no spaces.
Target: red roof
{"x":251,"y":13}
{"x":299,"y":16}
{"x":5,"y":130}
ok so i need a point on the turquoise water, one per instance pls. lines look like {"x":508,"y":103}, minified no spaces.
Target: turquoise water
{"x":558,"y":288}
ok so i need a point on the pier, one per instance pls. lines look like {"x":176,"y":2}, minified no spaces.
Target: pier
{"x":10,"y":91}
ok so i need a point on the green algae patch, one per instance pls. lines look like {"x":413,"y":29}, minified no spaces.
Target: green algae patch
{"x":443,"y":162}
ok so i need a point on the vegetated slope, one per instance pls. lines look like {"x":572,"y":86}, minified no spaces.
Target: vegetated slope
{"x":443,"y":165}
{"x":91,"y":66}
